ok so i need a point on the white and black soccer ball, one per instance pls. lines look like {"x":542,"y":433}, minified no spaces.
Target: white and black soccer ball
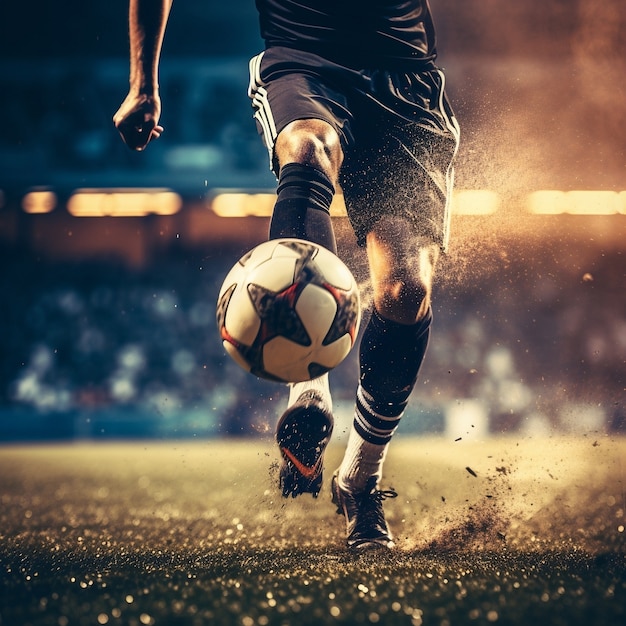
{"x":288,"y":311}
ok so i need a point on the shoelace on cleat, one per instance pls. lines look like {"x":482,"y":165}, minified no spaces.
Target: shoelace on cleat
{"x":371,"y":506}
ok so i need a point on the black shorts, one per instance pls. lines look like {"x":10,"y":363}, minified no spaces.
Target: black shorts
{"x":397,"y":129}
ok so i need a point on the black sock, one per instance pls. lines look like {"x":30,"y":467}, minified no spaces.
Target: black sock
{"x":391,"y":355}
{"x":302,"y":208}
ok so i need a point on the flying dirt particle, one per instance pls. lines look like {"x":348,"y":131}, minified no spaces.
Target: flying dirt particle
{"x":587,"y":277}
{"x":502,"y":470}
{"x":458,"y":439}
{"x":471,"y":471}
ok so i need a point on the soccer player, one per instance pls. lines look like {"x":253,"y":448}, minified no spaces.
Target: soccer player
{"x":346,"y":96}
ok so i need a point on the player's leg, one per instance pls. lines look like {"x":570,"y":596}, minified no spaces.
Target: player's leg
{"x":392,"y":349}
{"x":296,"y":114}
{"x":397,"y":187}
{"x":309,"y":154}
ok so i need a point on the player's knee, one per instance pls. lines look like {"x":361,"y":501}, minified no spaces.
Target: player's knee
{"x":310,"y":142}
{"x":405,"y":299}
{"x":402,"y":275}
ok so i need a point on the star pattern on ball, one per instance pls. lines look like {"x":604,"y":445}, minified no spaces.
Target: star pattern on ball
{"x":277,"y":312}
{"x":347,"y":314}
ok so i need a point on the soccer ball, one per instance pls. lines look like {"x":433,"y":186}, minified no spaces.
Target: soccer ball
{"x":288,"y":311}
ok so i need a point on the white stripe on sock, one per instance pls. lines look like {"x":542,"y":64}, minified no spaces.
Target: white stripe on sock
{"x":361,"y":461}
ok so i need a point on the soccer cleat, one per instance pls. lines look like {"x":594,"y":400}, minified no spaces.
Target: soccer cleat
{"x":365,"y":520}
{"x":302,"y":433}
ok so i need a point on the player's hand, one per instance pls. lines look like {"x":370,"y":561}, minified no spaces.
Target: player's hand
{"x":137,"y":120}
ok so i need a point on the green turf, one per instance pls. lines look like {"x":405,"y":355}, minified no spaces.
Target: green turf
{"x":502,"y":531}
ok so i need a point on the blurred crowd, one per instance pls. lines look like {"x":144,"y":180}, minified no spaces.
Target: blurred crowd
{"x":98,"y":337}
{"x":89,"y":345}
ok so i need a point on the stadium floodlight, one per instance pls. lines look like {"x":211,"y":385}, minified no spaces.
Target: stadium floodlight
{"x":247,"y":203}
{"x":123,"y":202}
{"x":577,"y":202}
{"x":38,"y":201}
{"x":232,"y":203}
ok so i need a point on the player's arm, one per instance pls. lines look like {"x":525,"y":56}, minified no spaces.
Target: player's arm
{"x":137,"y":119}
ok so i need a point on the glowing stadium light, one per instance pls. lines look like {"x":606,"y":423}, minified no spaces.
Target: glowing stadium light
{"x":242,"y":204}
{"x":237,"y":203}
{"x":39,"y":201}
{"x":587,"y":202}
{"x":475,"y":202}
{"x":123,"y":202}
{"x":548,"y":202}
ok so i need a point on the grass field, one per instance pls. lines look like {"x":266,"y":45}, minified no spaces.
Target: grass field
{"x":504,"y":531}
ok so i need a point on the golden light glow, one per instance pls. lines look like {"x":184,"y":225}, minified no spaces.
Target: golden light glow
{"x":241,"y":204}
{"x":587,"y":202}
{"x":475,"y":202}
{"x":123,"y":202}
{"x":39,"y":201}
{"x":236,"y":203}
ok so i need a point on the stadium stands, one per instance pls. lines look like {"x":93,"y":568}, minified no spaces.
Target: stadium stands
{"x":99,"y":349}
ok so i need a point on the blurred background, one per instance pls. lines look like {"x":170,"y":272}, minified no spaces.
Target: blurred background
{"x":110,"y":261}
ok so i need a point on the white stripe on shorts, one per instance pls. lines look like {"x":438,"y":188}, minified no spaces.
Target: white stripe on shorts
{"x":260,"y":104}
{"x":254,"y":66}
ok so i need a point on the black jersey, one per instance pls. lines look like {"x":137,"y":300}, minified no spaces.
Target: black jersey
{"x":360,"y":33}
